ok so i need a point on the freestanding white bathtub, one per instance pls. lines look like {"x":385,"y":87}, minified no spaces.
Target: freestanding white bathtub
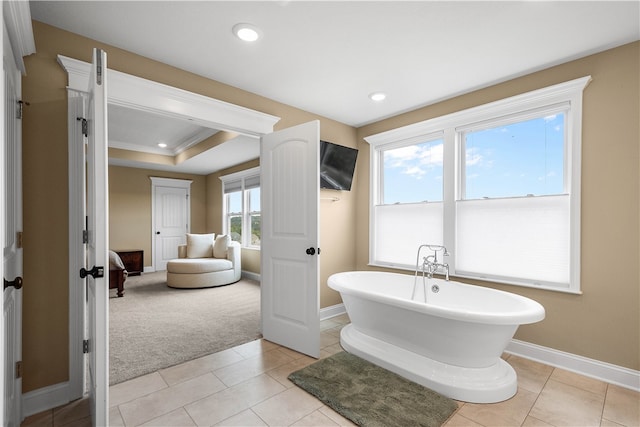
{"x":451,"y":344}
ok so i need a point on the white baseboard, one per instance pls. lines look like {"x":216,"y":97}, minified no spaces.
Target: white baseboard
{"x":148,"y":269}
{"x":613,"y":374}
{"x":44,"y":399}
{"x":607,"y":372}
{"x":332,"y":311}
{"x":250,"y":275}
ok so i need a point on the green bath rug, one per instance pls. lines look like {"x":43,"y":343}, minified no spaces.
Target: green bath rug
{"x":369,"y":395}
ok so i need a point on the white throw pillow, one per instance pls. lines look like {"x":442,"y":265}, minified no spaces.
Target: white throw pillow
{"x":221,"y":246}
{"x":200,"y":245}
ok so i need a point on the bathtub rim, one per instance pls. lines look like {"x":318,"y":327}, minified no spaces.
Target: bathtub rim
{"x":535,"y":312}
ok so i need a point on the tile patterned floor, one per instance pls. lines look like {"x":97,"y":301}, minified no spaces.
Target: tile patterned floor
{"x":247,"y":386}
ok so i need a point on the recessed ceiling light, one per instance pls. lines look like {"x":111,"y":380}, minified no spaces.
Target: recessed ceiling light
{"x":162,"y":145}
{"x":377,"y":96}
{"x":246,"y":32}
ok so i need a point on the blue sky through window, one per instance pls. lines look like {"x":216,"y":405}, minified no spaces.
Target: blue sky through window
{"x":512,"y":160}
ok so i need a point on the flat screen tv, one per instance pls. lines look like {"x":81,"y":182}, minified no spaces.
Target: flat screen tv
{"x":337,"y":164}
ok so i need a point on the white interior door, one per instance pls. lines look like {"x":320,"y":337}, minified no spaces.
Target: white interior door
{"x":290,"y":186}
{"x":171,"y":218}
{"x":12,"y":245}
{"x":97,"y":253}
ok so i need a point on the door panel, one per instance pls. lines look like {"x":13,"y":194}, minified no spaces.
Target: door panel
{"x":97,"y":253}
{"x":12,"y":246}
{"x":290,"y":275}
{"x":172,"y":223}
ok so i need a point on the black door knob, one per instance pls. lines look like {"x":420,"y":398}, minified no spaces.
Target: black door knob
{"x":16,"y":283}
{"x":311,"y":251}
{"x":157,"y":232}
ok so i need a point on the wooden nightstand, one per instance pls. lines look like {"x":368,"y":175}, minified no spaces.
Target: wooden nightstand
{"x":133,"y":261}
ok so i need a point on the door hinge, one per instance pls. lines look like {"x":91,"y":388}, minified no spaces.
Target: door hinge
{"x":99,"y":67}
{"x":19,"y":369}
{"x":85,"y":126}
{"x":85,"y":346}
{"x":21,"y":104}
{"x":19,"y":239}
{"x":85,"y":236}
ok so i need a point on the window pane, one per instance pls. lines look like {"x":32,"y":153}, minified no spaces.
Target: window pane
{"x":234,"y":202}
{"x":515,"y":160}
{"x":255,"y":230}
{"x":413,"y":174}
{"x":235,"y":228}
{"x":401,"y":229}
{"x":254,"y":199}
{"x":538,"y":252}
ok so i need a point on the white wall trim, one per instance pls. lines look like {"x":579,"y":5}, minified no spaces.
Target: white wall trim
{"x":332,"y":311}
{"x":603,"y":371}
{"x":45,"y":398}
{"x":146,"y":95}
{"x":613,"y":374}
{"x":250,"y":275}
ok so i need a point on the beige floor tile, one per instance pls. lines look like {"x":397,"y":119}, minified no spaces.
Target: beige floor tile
{"x":281,"y":373}
{"x":608,"y":423}
{"x":330,"y":350}
{"x":197,"y":367}
{"x":580,"y":381}
{"x":248,"y":368}
{"x":336,"y":417}
{"x":287,"y":407}
{"x":622,"y":406}
{"x":253,"y":348}
{"x":458,"y":420}
{"x":232,"y":401}
{"x":292,"y":353}
{"x":532,"y":375}
{"x":511,"y":412}
{"x":164,"y":401}
{"x":316,"y":419}
{"x":137,"y":387}
{"x":328,"y":324}
{"x":115,"y":419}
{"x":327,"y":338}
{"x":343,"y":318}
{"x":246,"y":418}
{"x":534,"y":422}
{"x":177,"y":418}
{"x":565,"y":405}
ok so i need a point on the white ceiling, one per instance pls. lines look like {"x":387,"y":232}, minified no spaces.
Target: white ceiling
{"x":326,"y":57}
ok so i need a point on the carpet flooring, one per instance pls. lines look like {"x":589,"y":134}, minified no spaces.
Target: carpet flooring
{"x":371,"y":396}
{"x":154,"y":326}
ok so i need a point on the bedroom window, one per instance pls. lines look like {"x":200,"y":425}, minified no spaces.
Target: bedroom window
{"x":497,"y":184}
{"x":241,"y":207}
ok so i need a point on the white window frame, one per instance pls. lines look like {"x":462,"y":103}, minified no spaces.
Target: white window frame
{"x":241,"y":176}
{"x":451,"y":126}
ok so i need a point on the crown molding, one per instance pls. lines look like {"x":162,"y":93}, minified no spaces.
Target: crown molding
{"x":17,"y":18}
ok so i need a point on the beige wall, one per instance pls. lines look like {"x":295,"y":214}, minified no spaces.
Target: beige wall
{"x":130,"y":207}
{"x":46,"y":246}
{"x":603,"y":323}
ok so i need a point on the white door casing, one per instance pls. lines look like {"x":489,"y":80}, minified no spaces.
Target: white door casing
{"x":171,"y":218}
{"x":290,"y":186}
{"x":97,"y":252}
{"x":138,"y":93}
{"x":12,"y":245}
